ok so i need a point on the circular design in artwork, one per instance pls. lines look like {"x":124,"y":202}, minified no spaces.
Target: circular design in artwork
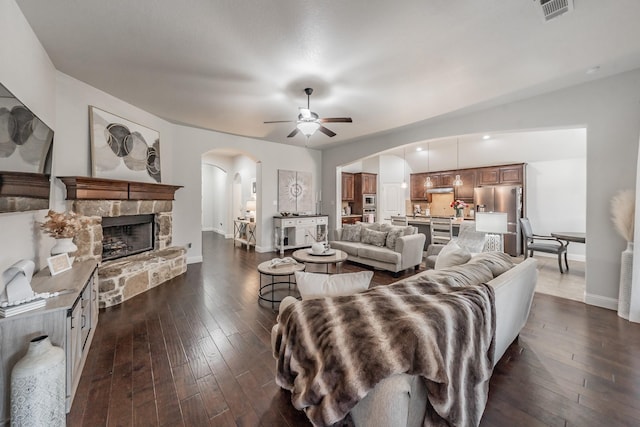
{"x":7,"y":147}
{"x":20,"y":128}
{"x":153,"y":161}
{"x":137,"y":158}
{"x":116,"y":135}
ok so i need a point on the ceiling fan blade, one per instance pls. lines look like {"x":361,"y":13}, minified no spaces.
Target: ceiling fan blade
{"x":305,"y":113}
{"x":293,"y":133}
{"x":336,"y":120}
{"x":326,"y":131}
{"x":280,"y":121}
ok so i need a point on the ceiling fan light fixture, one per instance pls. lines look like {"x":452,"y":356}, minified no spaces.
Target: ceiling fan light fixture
{"x":308,"y":128}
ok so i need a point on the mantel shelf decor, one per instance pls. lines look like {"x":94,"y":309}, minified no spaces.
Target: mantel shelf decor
{"x":82,"y":187}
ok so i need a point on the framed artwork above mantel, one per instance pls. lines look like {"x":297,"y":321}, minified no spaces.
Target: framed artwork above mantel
{"x":122,"y":149}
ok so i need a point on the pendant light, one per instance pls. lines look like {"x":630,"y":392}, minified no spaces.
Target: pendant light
{"x":427,"y":182}
{"x":404,"y":168}
{"x":457,"y":182}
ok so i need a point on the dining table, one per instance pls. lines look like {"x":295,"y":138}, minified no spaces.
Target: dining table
{"x":570,"y":236}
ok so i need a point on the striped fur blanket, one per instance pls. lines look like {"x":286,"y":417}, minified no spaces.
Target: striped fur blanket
{"x":331,"y":352}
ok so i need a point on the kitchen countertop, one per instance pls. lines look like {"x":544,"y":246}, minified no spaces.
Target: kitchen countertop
{"x":352,"y":216}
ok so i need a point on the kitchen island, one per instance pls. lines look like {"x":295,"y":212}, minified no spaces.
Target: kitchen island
{"x":424,"y":227}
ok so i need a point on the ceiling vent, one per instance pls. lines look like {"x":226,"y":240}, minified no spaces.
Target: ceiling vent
{"x":553,"y":8}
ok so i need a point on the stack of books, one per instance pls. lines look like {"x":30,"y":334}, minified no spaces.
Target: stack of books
{"x":12,"y":310}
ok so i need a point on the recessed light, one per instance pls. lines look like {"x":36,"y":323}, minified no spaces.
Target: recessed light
{"x":419,"y":149}
{"x":593,"y":70}
{"x":486,"y":136}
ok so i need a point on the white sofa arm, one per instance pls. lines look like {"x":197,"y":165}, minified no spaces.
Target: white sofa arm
{"x":337,"y":234}
{"x":410,"y":247}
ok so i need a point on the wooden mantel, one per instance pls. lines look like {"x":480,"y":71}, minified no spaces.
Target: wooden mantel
{"x":86,"y":188}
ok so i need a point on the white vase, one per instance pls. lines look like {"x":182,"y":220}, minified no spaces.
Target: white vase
{"x":626,"y":270}
{"x":64,"y":245}
{"x":38,"y":386}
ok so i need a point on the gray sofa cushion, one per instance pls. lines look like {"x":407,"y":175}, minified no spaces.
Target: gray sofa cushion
{"x":370,"y":225}
{"x":379,"y":254}
{"x":372,"y":237}
{"x":351,"y":248}
{"x":351,"y":232}
{"x":497,"y":262}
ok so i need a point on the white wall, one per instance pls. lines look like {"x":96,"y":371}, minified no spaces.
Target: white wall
{"x":270,"y":158}
{"x":556,"y":199}
{"x":608,"y":108}
{"x":28,"y":73}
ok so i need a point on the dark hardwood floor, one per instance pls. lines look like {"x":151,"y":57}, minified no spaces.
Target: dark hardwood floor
{"x":196,"y":352}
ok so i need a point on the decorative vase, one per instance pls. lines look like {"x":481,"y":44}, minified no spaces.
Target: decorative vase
{"x":64,"y":245}
{"x":626,"y":270}
{"x":38,"y":386}
{"x":460,"y":213}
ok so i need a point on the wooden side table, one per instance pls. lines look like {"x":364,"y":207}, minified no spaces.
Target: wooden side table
{"x":280,"y":283}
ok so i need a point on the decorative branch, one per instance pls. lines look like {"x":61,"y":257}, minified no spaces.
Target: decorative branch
{"x":623,"y":213}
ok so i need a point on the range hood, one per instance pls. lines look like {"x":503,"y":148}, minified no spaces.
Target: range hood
{"x":441,"y":190}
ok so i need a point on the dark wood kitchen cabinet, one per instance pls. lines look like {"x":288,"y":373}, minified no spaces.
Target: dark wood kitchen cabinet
{"x":366,"y":183}
{"x":347,"y":187}
{"x":417,"y":189}
{"x":465,"y":191}
{"x":508,"y":174}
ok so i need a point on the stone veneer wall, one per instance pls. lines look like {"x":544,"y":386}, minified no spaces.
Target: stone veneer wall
{"x":21,"y":204}
{"x":123,"y":278}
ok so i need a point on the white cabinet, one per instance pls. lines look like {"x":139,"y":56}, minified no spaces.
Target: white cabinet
{"x":69,"y":320}
{"x":298,"y":232}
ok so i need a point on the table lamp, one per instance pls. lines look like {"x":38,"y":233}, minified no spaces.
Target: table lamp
{"x":251,"y":209}
{"x":495,"y":225}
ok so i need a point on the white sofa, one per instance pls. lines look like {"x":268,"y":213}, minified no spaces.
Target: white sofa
{"x":400,"y":400}
{"x":404,"y":254}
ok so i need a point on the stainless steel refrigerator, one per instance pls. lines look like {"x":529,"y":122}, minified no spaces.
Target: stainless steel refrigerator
{"x":503,"y":198}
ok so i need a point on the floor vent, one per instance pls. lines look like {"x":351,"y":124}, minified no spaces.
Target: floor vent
{"x":553,"y":8}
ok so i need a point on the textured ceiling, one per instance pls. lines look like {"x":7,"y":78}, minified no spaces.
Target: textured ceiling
{"x":231,"y":65}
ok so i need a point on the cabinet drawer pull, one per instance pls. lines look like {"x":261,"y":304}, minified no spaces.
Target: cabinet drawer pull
{"x":84,"y":321}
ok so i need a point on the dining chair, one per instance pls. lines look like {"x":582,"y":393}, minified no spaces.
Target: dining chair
{"x":441,"y":231}
{"x":547,"y":244}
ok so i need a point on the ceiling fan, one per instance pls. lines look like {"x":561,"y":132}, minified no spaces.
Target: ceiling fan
{"x":309,"y":122}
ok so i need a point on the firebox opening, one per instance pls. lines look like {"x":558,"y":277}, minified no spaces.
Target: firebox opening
{"x":127,"y":235}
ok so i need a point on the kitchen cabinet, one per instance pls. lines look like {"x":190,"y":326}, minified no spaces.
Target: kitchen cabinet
{"x":445,"y":179}
{"x":465,"y":191}
{"x":351,"y":219}
{"x":69,"y":320}
{"x":511,"y":174}
{"x":365,"y":183}
{"x":417,"y":189}
{"x":347,"y":186}
{"x":508,"y":174}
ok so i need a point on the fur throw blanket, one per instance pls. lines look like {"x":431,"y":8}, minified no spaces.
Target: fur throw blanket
{"x":332,"y":351}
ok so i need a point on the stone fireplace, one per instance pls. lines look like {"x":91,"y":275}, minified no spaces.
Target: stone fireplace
{"x":131,"y":238}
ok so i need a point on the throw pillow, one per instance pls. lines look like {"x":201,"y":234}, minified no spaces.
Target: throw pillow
{"x":370,"y":225}
{"x":392,"y":236}
{"x":351,"y":232}
{"x":452,"y":254}
{"x":498,"y":262}
{"x":372,"y":237}
{"x":316,"y":285}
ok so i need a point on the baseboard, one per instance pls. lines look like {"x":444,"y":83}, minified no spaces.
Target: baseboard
{"x":600,"y":301}
{"x":262,"y":249}
{"x":570,"y":257}
{"x":228,"y":236}
{"x":194,"y":259}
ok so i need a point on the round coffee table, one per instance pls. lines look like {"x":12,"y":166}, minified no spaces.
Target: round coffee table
{"x":335,"y":256}
{"x":274,"y":291}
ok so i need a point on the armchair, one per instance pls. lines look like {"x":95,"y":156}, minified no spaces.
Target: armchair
{"x":530,"y":245}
